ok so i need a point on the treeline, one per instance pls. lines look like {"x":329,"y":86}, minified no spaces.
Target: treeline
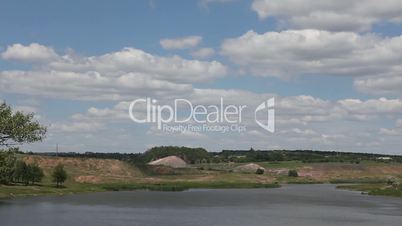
{"x":200,"y":155}
{"x":190,"y":155}
{"x":308,"y":156}
{"x":17,"y":171}
{"x":14,"y":171}
{"x":27,"y":173}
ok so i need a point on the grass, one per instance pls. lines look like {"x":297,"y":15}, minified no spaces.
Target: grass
{"x":374,"y":189}
{"x":185,"y":185}
{"x":11,"y":191}
{"x":364,"y":180}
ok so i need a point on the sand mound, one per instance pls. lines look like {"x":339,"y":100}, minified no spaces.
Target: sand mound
{"x":90,"y":169}
{"x":248,"y":168}
{"x":171,"y":161}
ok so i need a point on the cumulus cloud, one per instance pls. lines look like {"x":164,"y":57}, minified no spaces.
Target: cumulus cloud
{"x":118,"y":75}
{"x":380,"y":86}
{"x":31,"y":53}
{"x":390,"y":132}
{"x":75,"y":127}
{"x":341,"y":15}
{"x":399,"y":123}
{"x":181,"y":43}
{"x":372,"y":106}
{"x":129,"y":60}
{"x":203,"y":53}
{"x":297,"y":52}
{"x":86,"y":86}
{"x":301,"y":121}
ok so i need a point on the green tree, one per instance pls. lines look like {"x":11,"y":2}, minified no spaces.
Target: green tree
{"x":18,"y":128}
{"x":59,"y":175}
{"x":7,"y":165}
{"x":293,"y":173}
{"x":19,"y":169}
{"x":259,"y":171}
{"x":26,"y":174}
{"x":37,"y":173}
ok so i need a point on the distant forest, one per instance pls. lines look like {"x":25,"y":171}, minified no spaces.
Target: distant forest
{"x":200,"y":155}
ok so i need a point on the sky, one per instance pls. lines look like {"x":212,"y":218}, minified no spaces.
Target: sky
{"x":333,"y":67}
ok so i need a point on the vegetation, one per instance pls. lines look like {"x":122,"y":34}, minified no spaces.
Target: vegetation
{"x":200,"y":155}
{"x":364,"y":180}
{"x":375,"y":189}
{"x":259,"y":171}
{"x":7,"y":166}
{"x":27,"y":173}
{"x":18,"y":128}
{"x":293,"y":173}
{"x":92,"y":175}
{"x":185,"y":185}
{"x":59,"y":175}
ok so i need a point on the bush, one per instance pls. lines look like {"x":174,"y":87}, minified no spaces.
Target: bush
{"x":59,"y":175}
{"x":259,"y":171}
{"x":293,"y":173}
{"x":7,"y":163}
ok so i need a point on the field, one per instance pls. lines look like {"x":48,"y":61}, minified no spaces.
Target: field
{"x":92,"y":175}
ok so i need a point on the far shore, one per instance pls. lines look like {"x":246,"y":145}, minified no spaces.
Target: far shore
{"x":99,"y":175}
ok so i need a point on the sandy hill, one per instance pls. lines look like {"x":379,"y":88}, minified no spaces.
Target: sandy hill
{"x":171,"y":161}
{"x":87,"y":169}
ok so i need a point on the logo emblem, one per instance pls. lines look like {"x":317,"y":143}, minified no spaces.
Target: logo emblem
{"x":269,"y":123}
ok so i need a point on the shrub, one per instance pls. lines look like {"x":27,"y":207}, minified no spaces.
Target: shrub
{"x":259,"y":171}
{"x":59,"y":175}
{"x":293,"y":173}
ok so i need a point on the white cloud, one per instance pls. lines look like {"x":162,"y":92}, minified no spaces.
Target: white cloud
{"x":399,"y":123}
{"x":380,"y":86}
{"x":31,"y":53}
{"x":181,"y":43}
{"x":118,"y":75}
{"x":372,"y":106}
{"x":297,"y":52}
{"x":302,"y":122}
{"x":129,"y":60}
{"x":75,"y":127}
{"x":203,"y":53}
{"x":86,"y":86}
{"x":341,"y":15}
{"x":390,"y":132}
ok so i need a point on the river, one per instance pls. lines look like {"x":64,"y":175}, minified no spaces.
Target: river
{"x":302,"y":205}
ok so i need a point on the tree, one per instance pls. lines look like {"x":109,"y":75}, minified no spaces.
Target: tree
{"x":59,"y":175}
{"x":18,"y":128}
{"x":259,"y":171}
{"x":27,"y":173}
{"x":7,"y":166}
{"x":37,"y":173}
{"x":293,"y":173}
{"x":19,"y":170}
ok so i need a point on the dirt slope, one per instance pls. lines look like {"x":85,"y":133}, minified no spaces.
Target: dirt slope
{"x":87,"y":169}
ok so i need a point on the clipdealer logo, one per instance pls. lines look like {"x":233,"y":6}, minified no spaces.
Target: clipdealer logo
{"x":184,"y":115}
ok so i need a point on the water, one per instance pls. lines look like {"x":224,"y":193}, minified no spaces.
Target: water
{"x":290,"y":205}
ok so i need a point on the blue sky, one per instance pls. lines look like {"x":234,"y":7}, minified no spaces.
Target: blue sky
{"x":326,"y":71}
